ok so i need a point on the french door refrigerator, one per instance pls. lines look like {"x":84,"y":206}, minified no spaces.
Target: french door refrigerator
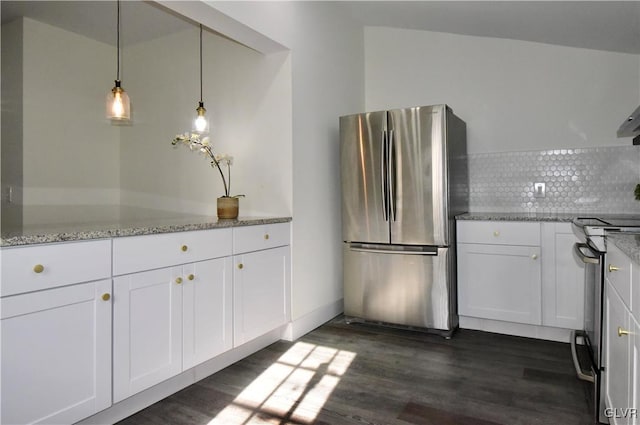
{"x":404,"y":178}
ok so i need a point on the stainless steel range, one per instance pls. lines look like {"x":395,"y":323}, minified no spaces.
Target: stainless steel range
{"x":592,"y":250}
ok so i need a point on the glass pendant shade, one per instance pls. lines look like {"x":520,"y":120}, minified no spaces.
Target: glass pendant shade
{"x":201,"y":123}
{"x":118,"y":105}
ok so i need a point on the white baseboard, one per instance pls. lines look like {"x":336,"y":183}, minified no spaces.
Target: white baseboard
{"x":146,"y":398}
{"x":310,"y":321}
{"x":518,"y":329}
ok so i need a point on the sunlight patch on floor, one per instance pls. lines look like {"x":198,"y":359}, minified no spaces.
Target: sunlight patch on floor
{"x":293,"y":389}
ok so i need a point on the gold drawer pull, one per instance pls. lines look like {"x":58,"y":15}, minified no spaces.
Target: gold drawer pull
{"x":191,"y":277}
{"x":38,"y":268}
{"x":496,"y":233}
{"x":266,"y":236}
{"x":622,"y":332}
{"x":184,"y":248}
{"x":178,"y":280}
{"x":240,"y":266}
{"x":106,"y":297}
{"x":613,"y":268}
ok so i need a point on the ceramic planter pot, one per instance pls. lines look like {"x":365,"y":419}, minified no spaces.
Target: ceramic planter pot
{"x":227,"y":207}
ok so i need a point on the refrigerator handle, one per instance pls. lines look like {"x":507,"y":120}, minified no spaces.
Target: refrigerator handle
{"x":384,"y":173}
{"x":392,"y":175}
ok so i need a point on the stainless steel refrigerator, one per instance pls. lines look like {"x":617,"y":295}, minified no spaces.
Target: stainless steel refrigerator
{"x":404,"y":178}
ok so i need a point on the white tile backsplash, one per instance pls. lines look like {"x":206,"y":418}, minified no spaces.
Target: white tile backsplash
{"x":594,"y":180}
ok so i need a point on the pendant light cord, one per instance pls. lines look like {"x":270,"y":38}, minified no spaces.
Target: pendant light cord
{"x":200,"y":63}
{"x":118,"y":43}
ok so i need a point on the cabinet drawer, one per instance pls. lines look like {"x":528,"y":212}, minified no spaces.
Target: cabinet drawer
{"x":499,"y":232}
{"x":264,"y":236}
{"x":32,"y":268}
{"x":617,"y":269}
{"x":138,"y":253}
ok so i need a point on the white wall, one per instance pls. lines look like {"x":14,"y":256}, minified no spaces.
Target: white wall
{"x":514,"y":95}
{"x":70,"y":151}
{"x":327,"y":66}
{"x":248,"y":100}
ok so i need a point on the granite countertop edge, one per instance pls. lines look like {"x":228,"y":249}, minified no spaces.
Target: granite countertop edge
{"x":628,"y":243}
{"x":132,"y":230}
{"x":498,"y":216}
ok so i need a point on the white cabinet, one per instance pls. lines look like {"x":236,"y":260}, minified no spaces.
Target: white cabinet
{"x":520,"y":272}
{"x":207,"y":310}
{"x":261,"y":280}
{"x":497,"y":279}
{"x":562,"y":278}
{"x":621,"y":339}
{"x":618,"y":368}
{"x":56,"y":353}
{"x":170,"y":319}
{"x":260,"y":292}
{"x":147,"y":330}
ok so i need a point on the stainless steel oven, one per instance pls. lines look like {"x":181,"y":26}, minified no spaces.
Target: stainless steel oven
{"x":591,"y":334}
{"x":592,"y":250}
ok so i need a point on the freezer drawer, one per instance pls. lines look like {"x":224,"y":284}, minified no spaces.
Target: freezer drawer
{"x":410,"y":289}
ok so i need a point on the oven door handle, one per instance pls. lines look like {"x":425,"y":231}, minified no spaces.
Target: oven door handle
{"x":577,"y":247}
{"x":576,"y":364}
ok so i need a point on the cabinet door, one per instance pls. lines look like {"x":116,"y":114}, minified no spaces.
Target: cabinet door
{"x":563,"y":278}
{"x":635,"y":375}
{"x":499,"y":282}
{"x":617,"y":365}
{"x":260,"y":291}
{"x":147,"y":335}
{"x":56,"y":354}
{"x":207,"y":300}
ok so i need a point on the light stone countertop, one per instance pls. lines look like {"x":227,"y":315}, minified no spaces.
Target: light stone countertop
{"x":499,"y":216}
{"x":628,"y":243}
{"x":118,"y":222}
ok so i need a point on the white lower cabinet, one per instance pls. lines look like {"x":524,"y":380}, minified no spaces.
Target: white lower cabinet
{"x":520,"y":273}
{"x":169,"y":320}
{"x":562,"y":278}
{"x":260,"y":280}
{"x":56,"y":354}
{"x":618,"y":368}
{"x":500,"y":282}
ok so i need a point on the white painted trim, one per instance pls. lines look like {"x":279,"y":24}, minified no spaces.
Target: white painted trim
{"x":309,"y":322}
{"x":518,"y":329}
{"x":146,"y":398}
{"x":209,"y":16}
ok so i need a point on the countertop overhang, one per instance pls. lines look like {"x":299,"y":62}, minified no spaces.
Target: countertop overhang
{"x":129,"y":222}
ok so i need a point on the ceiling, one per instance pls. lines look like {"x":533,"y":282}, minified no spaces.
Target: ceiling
{"x":601,"y":25}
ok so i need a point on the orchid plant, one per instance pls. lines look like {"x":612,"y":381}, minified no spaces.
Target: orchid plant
{"x":218,"y":161}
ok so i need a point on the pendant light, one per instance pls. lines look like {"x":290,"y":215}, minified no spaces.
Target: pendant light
{"x":118,"y":105}
{"x":201,"y":124}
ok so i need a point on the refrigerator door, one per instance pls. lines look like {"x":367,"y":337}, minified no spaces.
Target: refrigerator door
{"x":418,"y":167}
{"x":365,"y":204}
{"x":389,"y":285}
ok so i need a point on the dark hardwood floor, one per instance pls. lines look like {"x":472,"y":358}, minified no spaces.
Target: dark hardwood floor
{"x":363,"y":374}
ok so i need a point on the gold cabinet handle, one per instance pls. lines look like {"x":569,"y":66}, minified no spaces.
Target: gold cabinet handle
{"x":613,"y":268}
{"x":178,"y":280}
{"x":240,"y":266}
{"x":106,"y":297}
{"x":622,"y":332}
{"x":191,"y":277}
{"x":534,"y":256}
{"x":184,"y":248}
{"x":38,"y":268}
{"x":266,"y":236}
{"x":496,"y":233}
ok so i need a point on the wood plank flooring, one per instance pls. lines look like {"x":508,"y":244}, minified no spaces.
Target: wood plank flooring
{"x":368,"y":375}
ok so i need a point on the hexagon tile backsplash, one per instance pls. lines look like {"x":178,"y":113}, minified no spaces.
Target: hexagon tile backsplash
{"x":594,"y":180}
